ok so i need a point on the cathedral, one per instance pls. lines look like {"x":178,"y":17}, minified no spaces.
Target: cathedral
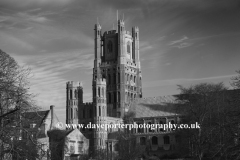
{"x":116,"y":90}
{"x":116,"y":79}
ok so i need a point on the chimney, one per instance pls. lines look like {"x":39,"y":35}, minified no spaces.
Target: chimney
{"x":52,"y":112}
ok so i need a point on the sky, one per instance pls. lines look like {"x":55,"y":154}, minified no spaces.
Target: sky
{"x":182,"y":42}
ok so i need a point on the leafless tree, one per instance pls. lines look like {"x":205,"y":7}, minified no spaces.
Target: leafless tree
{"x":15,"y":99}
{"x":211,"y":105}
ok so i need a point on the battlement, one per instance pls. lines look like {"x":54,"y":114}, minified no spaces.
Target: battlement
{"x":72,"y":84}
{"x":128,"y":33}
{"x":88,"y":104}
{"x":101,"y":81}
{"x":121,"y":21}
{"x":112,"y":32}
{"x":98,"y":26}
{"x":135,"y":28}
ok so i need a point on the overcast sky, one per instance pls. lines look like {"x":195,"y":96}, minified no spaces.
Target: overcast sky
{"x":181,"y":42}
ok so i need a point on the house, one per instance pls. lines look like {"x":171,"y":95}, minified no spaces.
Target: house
{"x":68,"y":144}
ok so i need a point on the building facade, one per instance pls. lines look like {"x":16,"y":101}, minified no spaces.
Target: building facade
{"x":116,"y":84}
{"x":117,"y":80}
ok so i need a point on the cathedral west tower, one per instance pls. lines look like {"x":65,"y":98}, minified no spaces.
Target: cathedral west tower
{"x":117,"y":60}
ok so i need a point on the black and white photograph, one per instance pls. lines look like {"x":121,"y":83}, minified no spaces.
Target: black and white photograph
{"x":119,"y":80}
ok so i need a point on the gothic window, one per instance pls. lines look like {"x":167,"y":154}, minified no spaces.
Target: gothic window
{"x":128,"y":47}
{"x":70,"y":93}
{"x":131,"y":96}
{"x":142,"y":140}
{"x":130,"y":77}
{"x":110,"y":46}
{"x":166,"y":140}
{"x":99,"y":110}
{"x":98,"y":91}
{"x":134,"y":79}
{"x":71,"y":113}
{"x":76,"y":94}
{"x":76,"y":113}
{"x":103,"y":92}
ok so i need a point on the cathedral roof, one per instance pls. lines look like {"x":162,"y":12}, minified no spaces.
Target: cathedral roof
{"x":155,"y":107}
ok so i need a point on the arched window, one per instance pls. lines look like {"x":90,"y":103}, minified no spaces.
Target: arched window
{"x":109,"y":79}
{"x":103,"y":92}
{"x":70,"y":93}
{"x":166,"y":140}
{"x":110,"y":46}
{"x":71,"y":113}
{"x":154,"y":140}
{"x":131,"y":78}
{"x":76,"y":93}
{"x":142,"y":140}
{"x":99,"y":110}
{"x":131,"y":96}
{"x":99,"y":92}
{"x":128,"y":47}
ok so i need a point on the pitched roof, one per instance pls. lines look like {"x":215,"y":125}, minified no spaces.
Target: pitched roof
{"x":155,"y":107}
{"x":36,"y":117}
{"x":57,"y":134}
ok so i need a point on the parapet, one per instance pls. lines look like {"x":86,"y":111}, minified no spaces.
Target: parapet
{"x":87,"y":104}
{"x":101,"y":81}
{"x":110,"y":32}
{"x":121,"y":22}
{"x":72,"y":84}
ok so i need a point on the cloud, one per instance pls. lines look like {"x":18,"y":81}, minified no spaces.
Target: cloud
{"x":178,"y":41}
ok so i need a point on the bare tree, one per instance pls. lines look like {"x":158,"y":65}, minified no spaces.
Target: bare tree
{"x":15,"y":99}
{"x":210,"y":106}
